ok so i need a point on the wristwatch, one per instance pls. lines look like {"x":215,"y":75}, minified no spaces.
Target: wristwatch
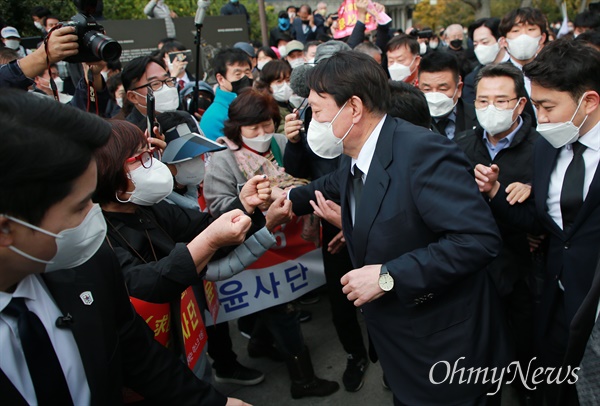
{"x":386,"y":282}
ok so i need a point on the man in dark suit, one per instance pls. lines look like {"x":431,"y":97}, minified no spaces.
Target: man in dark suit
{"x":418,"y":234}
{"x":440,"y":80}
{"x":70,"y":336}
{"x":565,"y":203}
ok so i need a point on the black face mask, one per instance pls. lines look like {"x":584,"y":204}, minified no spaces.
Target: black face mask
{"x":456,"y":43}
{"x":243,"y":83}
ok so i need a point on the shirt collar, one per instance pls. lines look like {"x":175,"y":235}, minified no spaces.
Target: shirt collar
{"x":591,"y":139}
{"x":509,"y":138}
{"x":25,"y":289}
{"x":365,"y":156}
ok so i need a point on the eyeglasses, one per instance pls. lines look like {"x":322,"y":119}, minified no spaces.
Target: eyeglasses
{"x":156,"y":85}
{"x":501,"y":104}
{"x":145,"y":157}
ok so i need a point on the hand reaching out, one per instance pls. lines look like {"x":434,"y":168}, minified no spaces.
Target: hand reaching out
{"x":327,"y":210}
{"x":292,"y":127}
{"x":280,"y":212}
{"x":518,"y":192}
{"x":486,"y":178}
{"x":229,"y":229}
{"x":256,"y":192}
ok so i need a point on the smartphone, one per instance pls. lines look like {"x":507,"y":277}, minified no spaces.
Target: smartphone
{"x":150,"y":112}
{"x":180,"y":55}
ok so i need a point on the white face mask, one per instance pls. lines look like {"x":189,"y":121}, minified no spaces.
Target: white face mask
{"x":151,"y":184}
{"x":311,"y":61}
{"x":282,"y":92}
{"x":433,"y":45}
{"x":323,"y":141}
{"x":487,"y":53}
{"x":561,"y":134}
{"x":166,"y":99}
{"x":74,"y":246}
{"x":439,"y":104}
{"x":294,"y":63}
{"x":282,"y":51}
{"x":399,"y":72}
{"x":12,"y":44}
{"x":495,"y":121}
{"x":261,"y":143}
{"x":38,"y":25}
{"x":119,"y":101}
{"x":59,"y":84}
{"x":422,"y":48}
{"x":190,"y":172}
{"x":104,"y":74}
{"x":260,"y":65}
{"x":523,"y":47}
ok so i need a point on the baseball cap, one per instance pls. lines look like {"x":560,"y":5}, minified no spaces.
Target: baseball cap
{"x":9,"y":32}
{"x":246,"y":47}
{"x":294,"y":45}
{"x":330,"y":48}
{"x":185,"y":145}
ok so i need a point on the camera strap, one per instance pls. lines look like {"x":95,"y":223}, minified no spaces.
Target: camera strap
{"x":52,"y":83}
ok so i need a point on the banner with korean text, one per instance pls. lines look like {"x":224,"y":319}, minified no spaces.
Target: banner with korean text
{"x":348,"y":17}
{"x":285,"y":272}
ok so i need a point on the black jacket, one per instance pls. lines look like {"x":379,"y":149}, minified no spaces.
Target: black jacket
{"x":465,"y":118}
{"x":514,"y":262}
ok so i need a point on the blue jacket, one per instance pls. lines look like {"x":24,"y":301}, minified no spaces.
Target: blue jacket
{"x":214,"y":117}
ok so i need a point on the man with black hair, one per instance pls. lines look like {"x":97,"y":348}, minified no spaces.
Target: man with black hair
{"x":418,"y":232}
{"x":233,"y":71}
{"x":69,"y":337}
{"x":586,"y":21}
{"x":590,"y":37}
{"x":565,"y":202}
{"x":440,"y":80}
{"x":403,"y":59}
{"x":283,"y":27}
{"x":306,"y":27}
{"x":37,"y":15}
{"x":408,"y":103}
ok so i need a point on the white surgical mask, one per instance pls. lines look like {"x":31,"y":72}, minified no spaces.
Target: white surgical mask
{"x":38,"y":25}
{"x":260,"y":65}
{"x":422,"y":48}
{"x":433,"y":45}
{"x":282,"y":92}
{"x":104,"y":74}
{"x":399,"y":72}
{"x":151,"y":184}
{"x":294,"y":63}
{"x":323,"y":141}
{"x":190,"y":172}
{"x":12,"y":44}
{"x":166,"y":99}
{"x":494,"y":120}
{"x":261,"y":143}
{"x":487,"y":53}
{"x":311,"y":61}
{"x":282,"y":51}
{"x":440,"y":104}
{"x":523,"y":47}
{"x":74,"y":246}
{"x":119,"y":101}
{"x":561,"y":134}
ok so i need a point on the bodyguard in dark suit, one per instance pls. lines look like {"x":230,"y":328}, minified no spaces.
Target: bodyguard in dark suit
{"x":419,"y":236}
{"x":68,"y":332}
{"x":440,"y":80}
{"x":565,"y":200}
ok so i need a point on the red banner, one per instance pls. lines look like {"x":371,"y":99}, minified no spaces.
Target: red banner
{"x":212,"y":298}
{"x":192,"y":327}
{"x":157,"y":316}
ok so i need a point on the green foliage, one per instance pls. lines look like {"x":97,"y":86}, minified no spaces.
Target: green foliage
{"x":16,"y":13}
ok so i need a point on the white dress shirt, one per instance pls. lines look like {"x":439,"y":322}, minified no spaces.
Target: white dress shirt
{"x":591,"y":156}
{"x":12,"y":360}
{"x":365,"y":156}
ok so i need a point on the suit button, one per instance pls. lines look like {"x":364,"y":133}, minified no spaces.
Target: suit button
{"x":430,"y":296}
{"x":567,"y":245}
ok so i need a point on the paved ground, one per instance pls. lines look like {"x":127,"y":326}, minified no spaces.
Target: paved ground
{"x":329,"y":360}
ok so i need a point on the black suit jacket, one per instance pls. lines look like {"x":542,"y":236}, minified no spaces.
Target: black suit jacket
{"x":423,"y":217}
{"x":572,"y":255}
{"x":465,"y":118}
{"x":117,"y":348}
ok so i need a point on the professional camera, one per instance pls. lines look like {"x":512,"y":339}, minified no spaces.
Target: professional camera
{"x":94,"y":46}
{"x":427,"y":33}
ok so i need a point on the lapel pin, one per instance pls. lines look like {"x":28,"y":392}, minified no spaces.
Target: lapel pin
{"x":87,"y":298}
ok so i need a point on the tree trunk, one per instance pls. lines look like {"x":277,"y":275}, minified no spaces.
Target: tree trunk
{"x":526,"y":3}
{"x":484,"y":10}
{"x":582,"y":6}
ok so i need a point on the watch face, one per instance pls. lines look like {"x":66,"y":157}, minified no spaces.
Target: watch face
{"x":386,"y":282}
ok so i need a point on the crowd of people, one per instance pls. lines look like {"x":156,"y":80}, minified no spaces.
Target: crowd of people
{"x":448,"y":178}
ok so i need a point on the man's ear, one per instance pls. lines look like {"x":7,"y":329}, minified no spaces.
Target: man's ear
{"x":357,"y":108}
{"x":6,"y":238}
{"x":220,"y":78}
{"x":131,"y":97}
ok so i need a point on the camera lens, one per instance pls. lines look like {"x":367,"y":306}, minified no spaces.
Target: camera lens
{"x":101,"y":46}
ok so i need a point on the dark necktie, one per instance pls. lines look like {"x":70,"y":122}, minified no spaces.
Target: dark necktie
{"x":588,"y":384}
{"x":357,"y":187}
{"x":441,"y":124}
{"x":45,"y":370}
{"x":571,"y":195}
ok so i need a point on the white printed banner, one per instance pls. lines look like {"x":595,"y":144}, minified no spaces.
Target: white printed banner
{"x":284,"y":273}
